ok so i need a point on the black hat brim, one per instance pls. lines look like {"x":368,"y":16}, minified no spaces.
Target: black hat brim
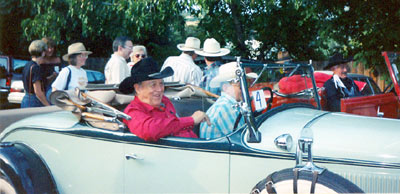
{"x":126,"y":86}
{"x":337,"y":59}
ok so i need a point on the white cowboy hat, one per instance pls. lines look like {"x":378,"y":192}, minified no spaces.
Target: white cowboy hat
{"x":227,"y":72}
{"x":75,"y":48}
{"x":212,"y":48}
{"x":191,"y":44}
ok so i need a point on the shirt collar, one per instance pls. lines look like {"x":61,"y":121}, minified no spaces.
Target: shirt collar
{"x":213,"y":65}
{"x":186,"y":56}
{"x":118,"y":57}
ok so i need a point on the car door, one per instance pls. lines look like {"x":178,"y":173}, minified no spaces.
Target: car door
{"x":176,"y":165}
{"x":381,"y":105}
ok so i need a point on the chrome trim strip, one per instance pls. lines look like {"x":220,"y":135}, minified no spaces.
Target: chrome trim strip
{"x":237,"y":150}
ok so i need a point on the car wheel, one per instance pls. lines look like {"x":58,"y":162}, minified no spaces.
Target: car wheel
{"x":6,"y":186}
{"x":283,"y":182}
{"x":23,"y":171}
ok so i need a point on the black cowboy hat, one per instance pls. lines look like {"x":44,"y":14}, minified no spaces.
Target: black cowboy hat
{"x":145,"y":69}
{"x":336,"y":59}
{"x":283,"y":56}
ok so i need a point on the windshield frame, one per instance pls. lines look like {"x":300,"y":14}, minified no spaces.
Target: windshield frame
{"x":293,"y":66}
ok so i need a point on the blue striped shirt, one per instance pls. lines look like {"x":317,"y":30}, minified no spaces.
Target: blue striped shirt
{"x":209,"y":73}
{"x":222,"y":116}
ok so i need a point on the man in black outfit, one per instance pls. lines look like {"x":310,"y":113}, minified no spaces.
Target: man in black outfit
{"x":339,"y":86}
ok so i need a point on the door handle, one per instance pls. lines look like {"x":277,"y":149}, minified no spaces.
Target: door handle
{"x":379,"y":113}
{"x":133,"y":157}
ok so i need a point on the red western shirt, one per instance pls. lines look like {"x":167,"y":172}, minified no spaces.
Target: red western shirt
{"x":151,"y":123}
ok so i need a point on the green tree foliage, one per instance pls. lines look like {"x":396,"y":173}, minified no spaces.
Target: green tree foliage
{"x":97,"y":23}
{"x":278,"y":25}
{"x":11,"y":40}
{"x":363,"y":29}
{"x":308,"y":29}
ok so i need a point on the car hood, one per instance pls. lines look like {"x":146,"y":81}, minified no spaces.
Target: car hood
{"x":335,"y":135}
{"x":54,"y":120}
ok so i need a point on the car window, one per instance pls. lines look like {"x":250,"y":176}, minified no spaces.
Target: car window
{"x":371,"y":88}
{"x":18,"y":65}
{"x":95,"y":77}
{"x":374,"y":86}
{"x":3,"y":67}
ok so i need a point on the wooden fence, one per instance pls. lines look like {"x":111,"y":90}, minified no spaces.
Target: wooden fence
{"x":359,"y":69}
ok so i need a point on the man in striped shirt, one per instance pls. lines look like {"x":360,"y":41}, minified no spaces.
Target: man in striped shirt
{"x":223,"y":112}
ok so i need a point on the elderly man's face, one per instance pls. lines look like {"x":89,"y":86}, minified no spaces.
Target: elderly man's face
{"x":233,"y":89}
{"x":150,"y":91}
{"x":341,"y":70}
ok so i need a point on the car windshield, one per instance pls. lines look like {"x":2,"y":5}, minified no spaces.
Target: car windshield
{"x":289,"y":83}
{"x":18,"y":65}
{"x":3,"y":67}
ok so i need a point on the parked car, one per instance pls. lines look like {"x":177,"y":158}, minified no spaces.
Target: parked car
{"x":373,"y":101}
{"x":9,"y":71}
{"x":87,"y":149}
{"x":17,"y":91}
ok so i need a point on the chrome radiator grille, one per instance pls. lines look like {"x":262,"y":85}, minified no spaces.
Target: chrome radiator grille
{"x":373,"y":183}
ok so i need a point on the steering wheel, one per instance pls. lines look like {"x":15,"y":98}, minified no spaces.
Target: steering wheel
{"x":389,"y":87}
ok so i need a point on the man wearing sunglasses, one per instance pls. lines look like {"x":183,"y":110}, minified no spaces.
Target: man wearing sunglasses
{"x":116,"y":68}
{"x":185,"y":70}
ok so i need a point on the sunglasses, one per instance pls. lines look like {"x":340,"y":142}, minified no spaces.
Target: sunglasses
{"x":139,"y":55}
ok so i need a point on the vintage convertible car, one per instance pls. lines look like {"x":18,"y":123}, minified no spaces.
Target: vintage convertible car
{"x":295,"y":147}
{"x":373,"y":101}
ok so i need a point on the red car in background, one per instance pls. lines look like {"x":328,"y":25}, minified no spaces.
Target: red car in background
{"x":386,"y":104}
{"x":295,"y":87}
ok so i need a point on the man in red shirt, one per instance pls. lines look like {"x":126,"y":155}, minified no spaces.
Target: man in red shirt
{"x":153,"y":114}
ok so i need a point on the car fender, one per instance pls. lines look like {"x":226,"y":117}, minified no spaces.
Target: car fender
{"x":25,"y":169}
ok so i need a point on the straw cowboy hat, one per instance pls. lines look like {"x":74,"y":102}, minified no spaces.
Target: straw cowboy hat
{"x":145,"y":69}
{"x":75,"y":48}
{"x":212,"y":48}
{"x":227,"y":72}
{"x":336,"y":59}
{"x":191,"y":44}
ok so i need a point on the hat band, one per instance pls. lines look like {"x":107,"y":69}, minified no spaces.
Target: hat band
{"x":190,"y":47}
{"x":213,"y":52}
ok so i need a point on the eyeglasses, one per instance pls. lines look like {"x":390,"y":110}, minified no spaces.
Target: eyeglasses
{"x":128,"y":47}
{"x":139,"y":55}
{"x":83,"y":55}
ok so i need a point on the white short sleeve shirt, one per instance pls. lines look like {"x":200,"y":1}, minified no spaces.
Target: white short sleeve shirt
{"x":78,"y":78}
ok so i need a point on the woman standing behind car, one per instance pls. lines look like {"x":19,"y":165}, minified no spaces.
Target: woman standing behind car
{"x":138,"y":53}
{"x":50,"y":66}
{"x":31,"y":77}
{"x":73,"y":75}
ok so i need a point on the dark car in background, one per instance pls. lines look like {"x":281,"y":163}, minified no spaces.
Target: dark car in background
{"x":10,"y":70}
{"x":17,"y":87}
